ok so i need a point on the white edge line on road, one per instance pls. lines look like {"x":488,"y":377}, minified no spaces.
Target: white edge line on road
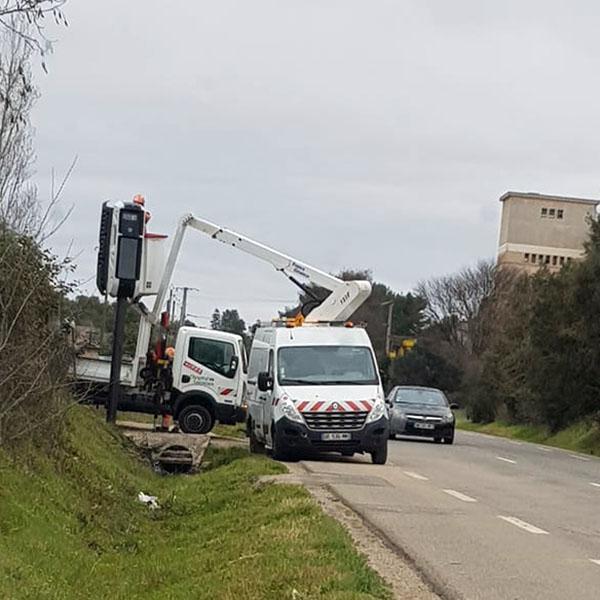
{"x":595,"y":484}
{"x":523,"y":525}
{"x":595,"y":561}
{"x":515,"y":442}
{"x":544,"y":448}
{"x":578,"y":457}
{"x":460,"y":496}
{"x":416,"y":476}
{"x":508,"y":460}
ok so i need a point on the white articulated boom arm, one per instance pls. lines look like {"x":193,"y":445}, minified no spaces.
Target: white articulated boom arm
{"x":345,"y":297}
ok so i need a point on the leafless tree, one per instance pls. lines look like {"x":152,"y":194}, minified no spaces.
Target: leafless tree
{"x":33,"y":353}
{"x":455,"y":302}
{"x":27,"y":20}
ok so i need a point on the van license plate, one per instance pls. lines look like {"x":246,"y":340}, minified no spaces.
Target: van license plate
{"x":424,"y":426}
{"x":335,"y":436}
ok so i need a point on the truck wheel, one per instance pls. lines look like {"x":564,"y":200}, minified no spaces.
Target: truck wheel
{"x":379,"y":456}
{"x":195,"y":419}
{"x":256,"y":447}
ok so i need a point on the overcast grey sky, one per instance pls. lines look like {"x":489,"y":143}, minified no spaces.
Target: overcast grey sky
{"x":366,"y":134}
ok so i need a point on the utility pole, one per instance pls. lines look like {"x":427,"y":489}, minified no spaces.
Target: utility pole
{"x":183,"y":312}
{"x":388,"y":329}
{"x":170,"y":306}
{"x":183,"y":307}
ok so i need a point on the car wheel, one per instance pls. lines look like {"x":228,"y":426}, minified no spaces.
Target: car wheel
{"x":450,"y":439}
{"x":195,"y":419}
{"x":392,"y":436}
{"x":379,"y":456}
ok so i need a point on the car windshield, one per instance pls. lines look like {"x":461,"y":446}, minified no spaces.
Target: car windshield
{"x":326,"y":365}
{"x":415,"y":396}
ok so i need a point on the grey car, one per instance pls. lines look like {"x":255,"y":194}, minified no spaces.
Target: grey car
{"x":421,"y":411}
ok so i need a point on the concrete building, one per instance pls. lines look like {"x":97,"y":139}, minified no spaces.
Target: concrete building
{"x":539,"y":229}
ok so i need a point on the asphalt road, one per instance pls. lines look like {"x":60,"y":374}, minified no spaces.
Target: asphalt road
{"x":486,"y":518}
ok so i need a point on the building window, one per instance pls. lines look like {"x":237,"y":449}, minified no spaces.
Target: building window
{"x":547,"y":261}
{"x":533,"y":258}
{"x":562,"y":260}
{"x":526,"y":256}
{"x":552,"y":213}
{"x":560,"y":213}
{"x":544,"y":213}
{"x":554,"y":261}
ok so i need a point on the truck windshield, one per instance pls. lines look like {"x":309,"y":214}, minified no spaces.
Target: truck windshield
{"x":326,"y":365}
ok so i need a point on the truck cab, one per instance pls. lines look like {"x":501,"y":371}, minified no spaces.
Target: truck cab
{"x":209,"y":378}
{"x":315,"y":388}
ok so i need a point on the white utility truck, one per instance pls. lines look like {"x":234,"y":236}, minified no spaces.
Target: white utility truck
{"x":312,"y":381}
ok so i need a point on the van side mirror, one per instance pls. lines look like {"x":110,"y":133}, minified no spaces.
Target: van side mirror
{"x":265,"y":381}
{"x":454,"y":406}
{"x":233,"y":365}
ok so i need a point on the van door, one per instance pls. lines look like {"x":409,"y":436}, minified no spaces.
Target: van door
{"x":259,"y":361}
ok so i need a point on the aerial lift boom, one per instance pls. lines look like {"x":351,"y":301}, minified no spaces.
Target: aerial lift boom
{"x":340,"y":304}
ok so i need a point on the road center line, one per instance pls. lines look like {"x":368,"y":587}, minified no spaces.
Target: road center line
{"x":595,"y":484}
{"x":460,"y":496}
{"x":508,"y":460}
{"x":578,"y":457}
{"x":595,"y":561}
{"x":416,"y":476}
{"x":523,"y":525}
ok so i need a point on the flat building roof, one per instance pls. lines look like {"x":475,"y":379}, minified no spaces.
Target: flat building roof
{"x":538,"y":196}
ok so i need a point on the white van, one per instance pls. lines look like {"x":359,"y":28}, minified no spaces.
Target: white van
{"x":315,"y":387}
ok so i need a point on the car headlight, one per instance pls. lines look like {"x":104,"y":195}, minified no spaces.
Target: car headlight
{"x":289,"y":410}
{"x":377,"y":412}
{"x":449,"y":418}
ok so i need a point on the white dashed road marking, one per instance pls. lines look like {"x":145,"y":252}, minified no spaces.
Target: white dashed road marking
{"x":416,"y":476}
{"x":515,"y":442}
{"x":508,"y":460}
{"x":523,"y":525}
{"x":595,"y":561}
{"x":595,"y":484}
{"x":578,"y":457}
{"x":460,"y":496}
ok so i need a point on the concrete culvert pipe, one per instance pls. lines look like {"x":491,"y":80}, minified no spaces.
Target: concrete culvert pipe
{"x":175,"y":459}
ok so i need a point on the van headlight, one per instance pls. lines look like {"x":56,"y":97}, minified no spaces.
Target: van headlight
{"x":289,"y":410}
{"x":377,"y":412}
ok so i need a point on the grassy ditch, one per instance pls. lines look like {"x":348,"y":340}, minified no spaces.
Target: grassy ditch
{"x":71,"y":527}
{"x":581,"y":437}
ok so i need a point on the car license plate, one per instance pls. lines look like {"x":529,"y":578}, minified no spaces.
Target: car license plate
{"x":424,"y":426}
{"x":335,"y":436}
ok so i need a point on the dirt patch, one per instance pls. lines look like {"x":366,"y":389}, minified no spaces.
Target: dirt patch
{"x":405,"y":581}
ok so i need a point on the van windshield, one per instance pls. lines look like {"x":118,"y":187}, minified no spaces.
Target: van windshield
{"x":326,"y":365}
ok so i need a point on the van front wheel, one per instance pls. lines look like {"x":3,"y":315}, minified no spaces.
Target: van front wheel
{"x":277,"y":452}
{"x":379,"y":456}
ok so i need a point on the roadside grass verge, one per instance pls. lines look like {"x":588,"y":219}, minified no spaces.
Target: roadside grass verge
{"x":581,"y":437}
{"x":71,"y":527}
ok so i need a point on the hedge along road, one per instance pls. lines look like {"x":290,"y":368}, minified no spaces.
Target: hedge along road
{"x":486,"y":518}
